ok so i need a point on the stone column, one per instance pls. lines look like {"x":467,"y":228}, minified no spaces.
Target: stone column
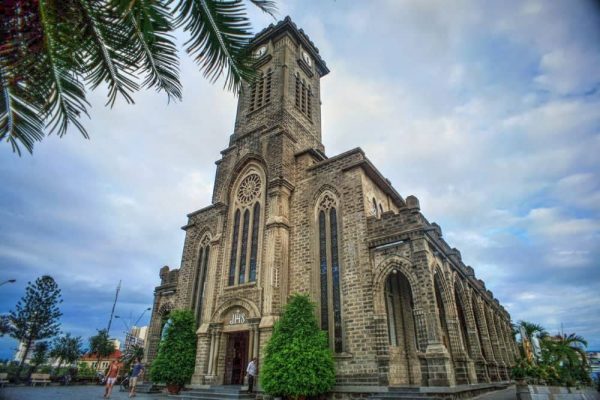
{"x":256,"y":341}
{"x":457,"y":347}
{"x":495,"y":340}
{"x":509,"y":340}
{"x":276,"y":256}
{"x":485,"y":339}
{"x":439,"y":367}
{"x":504,"y":343}
{"x":475,"y":349}
{"x":216,"y":331}
{"x":202,"y":358}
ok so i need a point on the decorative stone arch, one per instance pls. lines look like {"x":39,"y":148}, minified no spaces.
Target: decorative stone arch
{"x":245,"y":167}
{"x":399,"y":320}
{"x":322,"y":190}
{"x":381,"y":274}
{"x":165,"y":309}
{"x":226,"y":306}
{"x":447,"y":291}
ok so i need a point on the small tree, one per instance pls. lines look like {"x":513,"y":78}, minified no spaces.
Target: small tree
{"x":36,"y":314}
{"x":4,"y":325}
{"x":66,"y":349}
{"x":40,"y":354}
{"x":298,"y":361}
{"x":174,"y":364}
{"x":101,"y":345}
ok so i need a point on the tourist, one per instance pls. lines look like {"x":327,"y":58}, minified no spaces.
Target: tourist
{"x":251,"y":371}
{"x":111,"y":377}
{"x":136,"y":372}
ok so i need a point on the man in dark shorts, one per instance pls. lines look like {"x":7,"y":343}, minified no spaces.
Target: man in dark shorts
{"x":111,"y":377}
{"x":136,"y":372}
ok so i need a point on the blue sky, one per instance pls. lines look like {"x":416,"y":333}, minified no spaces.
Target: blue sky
{"x":488,"y":112}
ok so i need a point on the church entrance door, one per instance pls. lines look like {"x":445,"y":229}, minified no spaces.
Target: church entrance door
{"x":236,"y":358}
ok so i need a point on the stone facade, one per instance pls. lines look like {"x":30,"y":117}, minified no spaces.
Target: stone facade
{"x":400,"y":307}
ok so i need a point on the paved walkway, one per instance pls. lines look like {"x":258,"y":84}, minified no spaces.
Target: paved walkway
{"x":96,"y":392}
{"x":506,"y":394}
{"x":68,"y":393}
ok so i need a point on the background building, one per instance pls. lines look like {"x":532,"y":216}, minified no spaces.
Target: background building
{"x":136,"y":337}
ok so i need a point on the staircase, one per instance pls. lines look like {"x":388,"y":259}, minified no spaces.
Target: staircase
{"x":403,"y":394}
{"x":146,"y":387}
{"x":229,"y":392}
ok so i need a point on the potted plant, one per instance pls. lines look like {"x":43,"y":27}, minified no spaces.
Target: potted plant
{"x":174,"y":364}
{"x":298,"y":362}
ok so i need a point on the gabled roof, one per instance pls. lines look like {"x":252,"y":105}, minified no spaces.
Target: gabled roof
{"x":94,"y":357}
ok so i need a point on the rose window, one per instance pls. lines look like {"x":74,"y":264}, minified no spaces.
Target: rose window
{"x":249,"y":189}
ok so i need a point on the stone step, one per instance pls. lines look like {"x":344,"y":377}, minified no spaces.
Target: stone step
{"x":216,"y":393}
{"x":146,"y":388}
{"x":405,"y":389}
{"x":401,"y":396}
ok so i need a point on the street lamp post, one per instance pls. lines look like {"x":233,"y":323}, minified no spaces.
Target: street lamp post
{"x":8,"y":281}
{"x":141,"y":315}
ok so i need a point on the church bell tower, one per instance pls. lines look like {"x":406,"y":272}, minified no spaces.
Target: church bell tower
{"x":286,"y":92}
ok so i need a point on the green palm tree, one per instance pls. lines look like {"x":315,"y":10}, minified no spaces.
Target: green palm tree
{"x":567,"y":354}
{"x":532,"y":329}
{"x":53,"y":50}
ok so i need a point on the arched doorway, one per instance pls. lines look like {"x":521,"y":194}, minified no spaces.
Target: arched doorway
{"x":404,"y":367}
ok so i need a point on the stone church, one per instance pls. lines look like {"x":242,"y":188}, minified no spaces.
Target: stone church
{"x":399,"y":306}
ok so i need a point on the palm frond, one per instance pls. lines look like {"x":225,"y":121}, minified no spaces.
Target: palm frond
{"x":267,"y":6}
{"x":220,"y":33}
{"x":155,"y":53}
{"x":20,"y":121}
{"x":59,"y":65}
{"x":108,"y":56}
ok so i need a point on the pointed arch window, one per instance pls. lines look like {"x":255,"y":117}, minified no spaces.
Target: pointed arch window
{"x":245,"y":236}
{"x":201,"y":273}
{"x":329,"y":273}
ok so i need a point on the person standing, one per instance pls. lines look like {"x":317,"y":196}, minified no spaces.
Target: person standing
{"x":251,"y":371}
{"x":111,"y":377}
{"x":136,"y":372}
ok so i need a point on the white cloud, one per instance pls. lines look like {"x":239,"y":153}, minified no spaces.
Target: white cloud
{"x":485,"y":111}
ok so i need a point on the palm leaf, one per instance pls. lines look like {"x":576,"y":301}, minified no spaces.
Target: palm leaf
{"x":155,"y":52}
{"x":59,"y":64}
{"x":220,"y":33}
{"x":267,"y":6}
{"x":21,"y":103}
{"x":107,"y":50}
{"x":20,"y":121}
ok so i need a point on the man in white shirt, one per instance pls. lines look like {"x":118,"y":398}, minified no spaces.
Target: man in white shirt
{"x":251,"y":371}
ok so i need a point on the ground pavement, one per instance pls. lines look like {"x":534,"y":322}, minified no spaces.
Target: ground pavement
{"x":506,"y":394}
{"x":96,"y":392}
{"x":69,"y":393}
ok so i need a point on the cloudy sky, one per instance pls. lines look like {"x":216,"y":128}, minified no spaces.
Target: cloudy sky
{"x":488,"y":112}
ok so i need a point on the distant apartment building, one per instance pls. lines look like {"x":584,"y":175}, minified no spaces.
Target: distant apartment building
{"x":21,"y":350}
{"x":594,"y":360}
{"x":136,"y":337}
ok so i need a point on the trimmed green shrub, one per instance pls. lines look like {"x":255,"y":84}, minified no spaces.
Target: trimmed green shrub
{"x":174,"y":364}
{"x":298,"y":361}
